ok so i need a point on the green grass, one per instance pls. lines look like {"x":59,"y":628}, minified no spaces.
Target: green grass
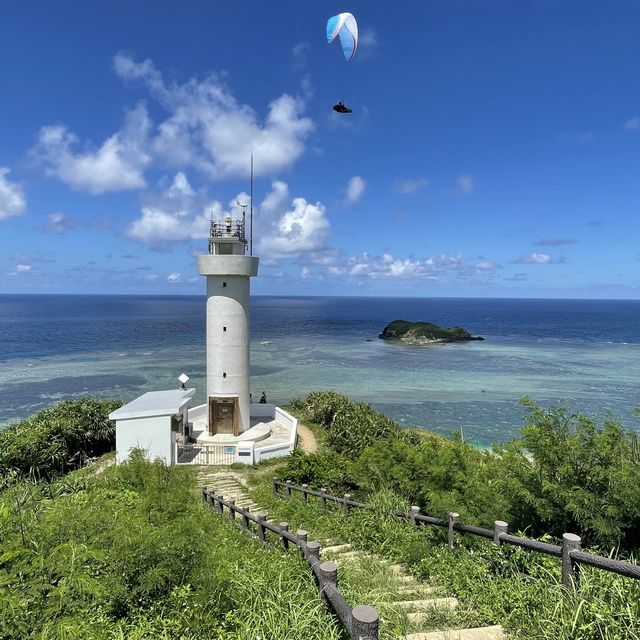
{"x":508,"y":586}
{"x":132,"y":553}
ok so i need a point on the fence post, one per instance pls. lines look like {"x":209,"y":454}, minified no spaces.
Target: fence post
{"x":261,"y":528}
{"x":232,"y":509}
{"x":364,"y":623}
{"x":347,"y":497}
{"x":304,"y":492}
{"x":499,"y":527}
{"x":204,"y":494}
{"x":245,"y":518}
{"x":301,"y":534}
{"x":220,"y":505}
{"x":414,"y":511}
{"x":570,"y":569}
{"x":275,"y":487}
{"x":328,"y":575}
{"x":452,"y":520}
{"x":313,"y":549}
{"x":285,"y":527}
{"x":288,"y":483}
{"x":323,"y":499}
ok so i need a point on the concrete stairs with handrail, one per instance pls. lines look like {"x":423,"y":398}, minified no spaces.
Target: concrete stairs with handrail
{"x":402,"y":597}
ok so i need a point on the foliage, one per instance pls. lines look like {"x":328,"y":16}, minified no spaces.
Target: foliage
{"x":564,"y":473}
{"x":495,"y":585}
{"x":351,"y":426}
{"x":58,"y":439}
{"x":131,"y":553}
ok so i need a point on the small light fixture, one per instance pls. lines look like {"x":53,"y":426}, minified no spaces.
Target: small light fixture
{"x":183,"y":378}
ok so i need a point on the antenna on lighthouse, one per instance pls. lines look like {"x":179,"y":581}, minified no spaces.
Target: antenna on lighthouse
{"x":251,"y":210}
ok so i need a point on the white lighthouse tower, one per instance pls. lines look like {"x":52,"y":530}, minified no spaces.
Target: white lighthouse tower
{"x":228,"y":271}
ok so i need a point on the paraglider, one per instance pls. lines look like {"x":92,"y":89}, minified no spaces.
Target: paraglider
{"x":340,"y":108}
{"x":343,"y":25}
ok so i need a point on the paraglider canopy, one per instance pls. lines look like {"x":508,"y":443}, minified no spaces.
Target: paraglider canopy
{"x":345,"y":26}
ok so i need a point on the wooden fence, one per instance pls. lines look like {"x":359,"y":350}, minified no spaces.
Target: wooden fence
{"x":570,"y":551}
{"x":362,"y":621}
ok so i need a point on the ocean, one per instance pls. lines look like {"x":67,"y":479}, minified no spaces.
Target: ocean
{"x":582,"y":352}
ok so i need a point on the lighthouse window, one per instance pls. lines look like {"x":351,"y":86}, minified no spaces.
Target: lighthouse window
{"x":224,"y":284}
{"x":224,"y":328}
{"x":224,"y":375}
{"x":225,"y":248}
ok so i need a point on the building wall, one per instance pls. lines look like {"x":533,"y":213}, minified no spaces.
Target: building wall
{"x":151,"y":434}
{"x":228,"y":340}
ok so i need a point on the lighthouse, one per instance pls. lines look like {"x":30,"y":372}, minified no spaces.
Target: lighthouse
{"x":228,"y":271}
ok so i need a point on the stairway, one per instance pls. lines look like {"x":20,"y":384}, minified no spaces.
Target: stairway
{"x":396,"y":595}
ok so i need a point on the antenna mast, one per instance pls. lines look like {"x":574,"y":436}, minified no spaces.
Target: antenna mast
{"x":251,"y":211}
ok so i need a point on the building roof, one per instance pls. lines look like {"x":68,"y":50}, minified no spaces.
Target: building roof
{"x":154,"y":403}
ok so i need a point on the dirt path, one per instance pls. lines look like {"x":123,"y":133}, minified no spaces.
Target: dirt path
{"x":306,"y":440}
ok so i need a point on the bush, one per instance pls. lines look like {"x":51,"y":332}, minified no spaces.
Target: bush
{"x":58,"y":439}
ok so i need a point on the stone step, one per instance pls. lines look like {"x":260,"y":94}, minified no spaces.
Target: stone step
{"x":479,"y":633}
{"x":428,"y":603}
{"x":337,"y":548}
{"x":415,"y":588}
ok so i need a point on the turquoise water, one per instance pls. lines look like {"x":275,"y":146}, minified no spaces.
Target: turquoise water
{"x":583,"y":352}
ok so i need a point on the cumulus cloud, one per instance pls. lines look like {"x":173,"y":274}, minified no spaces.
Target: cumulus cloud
{"x":303,"y":228}
{"x":174,"y":278}
{"x":21,"y":269}
{"x":410,"y":185}
{"x":465,"y":184}
{"x":58,"y":223}
{"x":537,"y":258}
{"x":116,"y":165}
{"x":554,"y":242}
{"x":368,"y":42}
{"x":208,"y":129}
{"x":389,"y":266}
{"x":632,"y":124}
{"x":355,"y":189}
{"x":158,"y":226}
{"x":12,"y":198}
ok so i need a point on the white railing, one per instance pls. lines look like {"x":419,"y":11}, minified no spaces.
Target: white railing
{"x":206,"y":454}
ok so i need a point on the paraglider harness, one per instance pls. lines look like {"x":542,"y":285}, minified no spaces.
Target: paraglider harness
{"x":340,"y":108}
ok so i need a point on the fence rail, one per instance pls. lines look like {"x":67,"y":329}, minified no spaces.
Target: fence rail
{"x":362,"y":622}
{"x":570,"y":551}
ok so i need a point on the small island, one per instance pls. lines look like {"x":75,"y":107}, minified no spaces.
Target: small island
{"x":424,"y":333}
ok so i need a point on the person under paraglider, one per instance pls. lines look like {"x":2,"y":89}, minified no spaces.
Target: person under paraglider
{"x":340,"y":108}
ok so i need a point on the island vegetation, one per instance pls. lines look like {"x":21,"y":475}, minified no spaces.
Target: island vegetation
{"x":91,"y":550}
{"x":424,"y":333}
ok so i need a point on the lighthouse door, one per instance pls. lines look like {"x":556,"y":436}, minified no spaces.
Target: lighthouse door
{"x":223,"y":415}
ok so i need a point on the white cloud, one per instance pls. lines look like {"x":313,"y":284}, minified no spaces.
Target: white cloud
{"x":158,"y":226}
{"x":21,"y":269}
{"x":180,"y":187}
{"x":410,"y":185}
{"x":537,"y":258}
{"x":355,"y":189}
{"x":174,"y":278}
{"x":300,"y":54}
{"x":465,"y":184}
{"x":58,"y":223}
{"x":392,"y":267}
{"x":12,"y":198}
{"x":632,"y":124}
{"x":368,"y":42}
{"x":303,"y":228}
{"x":208,"y":129}
{"x":116,"y":165}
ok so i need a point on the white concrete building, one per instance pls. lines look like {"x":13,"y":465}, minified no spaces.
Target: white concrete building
{"x":228,"y":428}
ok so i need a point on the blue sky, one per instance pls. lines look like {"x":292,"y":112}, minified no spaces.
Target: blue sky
{"x":493,"y":148}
